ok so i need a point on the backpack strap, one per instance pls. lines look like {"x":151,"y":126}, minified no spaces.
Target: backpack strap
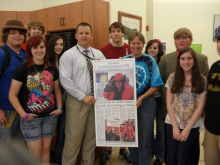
{"x":7,"y":60}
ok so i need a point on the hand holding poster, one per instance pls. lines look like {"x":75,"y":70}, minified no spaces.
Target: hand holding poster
{"x":115,"y":107}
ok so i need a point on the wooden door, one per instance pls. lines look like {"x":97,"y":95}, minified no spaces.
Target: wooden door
{"x":40,"y":15}
{"x":5,"y":16}
{"x":101,"y":22}
{"x":54,"y":18}
{"x":72,"y":15}
{"x":88,"y":16}
{"x":24,"y":16}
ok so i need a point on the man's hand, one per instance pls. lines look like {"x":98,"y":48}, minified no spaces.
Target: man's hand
{"x":88,"y":99}
{"x":3,"y":119}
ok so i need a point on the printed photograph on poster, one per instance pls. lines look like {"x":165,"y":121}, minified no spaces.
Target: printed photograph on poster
{"x":112,"y":130}
{"x":127,"y":130}
{"x":115,"y":86}
{"x":115,"y":107}
{"x":164,"y":43}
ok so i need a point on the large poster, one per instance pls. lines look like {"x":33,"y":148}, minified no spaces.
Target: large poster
{"x":115,"y":107}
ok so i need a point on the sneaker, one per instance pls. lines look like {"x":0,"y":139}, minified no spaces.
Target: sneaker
{"x":105,"y":157}
{"x":123,"y":154}
{"x":158,"y":162}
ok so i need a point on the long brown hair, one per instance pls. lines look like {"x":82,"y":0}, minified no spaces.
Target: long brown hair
{"x":35,"y":41}
{"x":51,"y":45}
{"x":197,"y":80}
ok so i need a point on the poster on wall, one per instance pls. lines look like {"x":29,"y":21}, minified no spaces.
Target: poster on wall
{"x":216,"y":26}
{"x":197,"y":47}
{"x":131,"y":23}
{"x":164,"y":43}
{"x":115,"y":107}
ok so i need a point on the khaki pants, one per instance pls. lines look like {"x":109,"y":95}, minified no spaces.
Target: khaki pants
{"x":79,"y":131}
{"x":211,"y":148}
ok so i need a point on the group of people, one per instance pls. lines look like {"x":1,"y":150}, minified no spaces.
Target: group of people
{"x":39,"y":87}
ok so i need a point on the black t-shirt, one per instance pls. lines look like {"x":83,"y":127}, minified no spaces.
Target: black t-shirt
{"x":36,"y":94}
{"x":212,"y":123}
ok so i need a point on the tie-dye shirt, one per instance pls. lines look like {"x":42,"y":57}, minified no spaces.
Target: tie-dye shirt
{"x":36,"y":94}
{"x":147,"y":73}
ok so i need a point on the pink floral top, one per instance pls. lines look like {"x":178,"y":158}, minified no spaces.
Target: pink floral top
{"x":185,"y":104}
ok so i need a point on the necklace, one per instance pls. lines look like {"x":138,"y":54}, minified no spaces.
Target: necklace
{"x":37,"y":76}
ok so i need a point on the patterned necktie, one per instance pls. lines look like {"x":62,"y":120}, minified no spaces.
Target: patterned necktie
{"x":89,"y":65}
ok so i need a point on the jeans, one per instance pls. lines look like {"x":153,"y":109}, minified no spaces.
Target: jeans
{"x":142,"y":154}
{"x":158,"y":144}
{"x":57,"y":159}
{"x":39,"y":127}
{"x":178,"y":152}
{"x":6,"y":135}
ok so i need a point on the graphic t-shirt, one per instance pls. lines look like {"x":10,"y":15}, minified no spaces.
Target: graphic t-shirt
{"x":147,"y":73}
{"x":112,"y":52}
{"x":36,"y":94}
{"x":212,"y":108}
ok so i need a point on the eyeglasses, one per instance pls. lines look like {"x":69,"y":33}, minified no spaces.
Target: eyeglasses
{"x":21,"y":58}
{"x":183,"y":38}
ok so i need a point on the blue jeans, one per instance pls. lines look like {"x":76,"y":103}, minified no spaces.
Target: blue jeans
{"x":158,"y":144}
{"x":178,"y":152}
{"x":39,"y":127}
{"x":57,"y":159}
{"x":142,"y":154}
{"x":6,"y":135}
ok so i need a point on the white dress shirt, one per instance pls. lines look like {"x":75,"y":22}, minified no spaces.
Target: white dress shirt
{"x":74,"y":73}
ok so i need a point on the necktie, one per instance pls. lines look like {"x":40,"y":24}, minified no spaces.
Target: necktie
{"x":89,"y":65}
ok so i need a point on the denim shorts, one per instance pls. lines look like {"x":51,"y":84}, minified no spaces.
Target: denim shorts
{"x":39,"y":127}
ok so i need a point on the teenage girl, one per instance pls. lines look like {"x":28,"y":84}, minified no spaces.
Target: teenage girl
{"x":186,"y":93}
{"x":38,"y":84}
{"x":155,"y":49}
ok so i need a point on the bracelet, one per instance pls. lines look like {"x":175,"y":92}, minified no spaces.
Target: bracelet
{"x":26,"y":116}
{"x":60,"y":109}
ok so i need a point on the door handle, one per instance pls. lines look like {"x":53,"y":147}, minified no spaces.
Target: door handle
{"x":63,"y":21}
{"x":60,"y":21}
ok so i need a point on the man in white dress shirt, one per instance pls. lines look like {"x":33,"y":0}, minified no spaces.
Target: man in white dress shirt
{"x":75,"y":78}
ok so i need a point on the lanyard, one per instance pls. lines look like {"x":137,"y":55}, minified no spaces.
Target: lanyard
{"x":86,"y":55}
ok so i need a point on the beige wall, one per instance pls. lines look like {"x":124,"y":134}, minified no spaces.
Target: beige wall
{"x":197,"y":15}
{"x":50,"y":3}
{"x":20,"y":5}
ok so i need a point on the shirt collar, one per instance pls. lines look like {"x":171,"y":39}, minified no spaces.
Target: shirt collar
{"x":177,"y":53}
{"x":82,"y":49}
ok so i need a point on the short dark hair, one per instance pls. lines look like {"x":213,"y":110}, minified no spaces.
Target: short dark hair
{"x":6,"y":34}
{"x":218,"y":38}
{"x":83,"y":24}
{"x":117,"y":25}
